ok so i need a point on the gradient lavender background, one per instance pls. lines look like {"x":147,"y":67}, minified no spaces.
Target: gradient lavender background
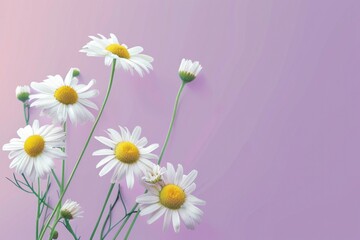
{"x":272,"y":123}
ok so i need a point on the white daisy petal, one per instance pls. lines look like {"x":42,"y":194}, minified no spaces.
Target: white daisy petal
{"x":150,"y":209}
{"x":106,"y":141}
{"x":189,"y":222}
{"x":147,"y":199}
{"x":176,"y":221}
{"x":190,"y":188}
{"x":156,"y":216}
{"x":103,"y":152}
{"x":179,"y":175}
{"x":107,"y":168}
{"x":150,"y":148}
{"x":196,"y":201}
{"x":129,"y":177}
{"x":104,"y":161}
{"x":189,"y":179}
{"x":167,"y":218}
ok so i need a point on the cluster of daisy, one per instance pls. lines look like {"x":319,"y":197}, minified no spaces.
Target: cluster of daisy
{"x":126,"y":153}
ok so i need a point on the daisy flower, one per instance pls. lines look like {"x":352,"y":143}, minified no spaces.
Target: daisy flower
{"x":71,"y":210}
{"x":126,"y":153}
{"x":22,"y":93}
{"x":154,"y":175}
{"x":188,"y":70}
{"x":173,"y":199}
{"x":34,"y":151}
{"x":126,"y":58}
{"x":62,"y":98}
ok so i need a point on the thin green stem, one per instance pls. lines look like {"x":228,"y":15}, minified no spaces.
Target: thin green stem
{"x":84,"y":149}
{"x":160,"y":157}
{"x":109,"y":215}
{"x":70,"y":229}
{"x":63,"y":165}
{"x":117,"y":223}
{"x":102,"y":210}
{"x":56,"y":178}
{"x":172,"y":122}
{"x":26,"y":113}
{"x":132,"y":225}
{"x":61,"y":187}
{"x":126,"y":219}
{"x":38,"y":210}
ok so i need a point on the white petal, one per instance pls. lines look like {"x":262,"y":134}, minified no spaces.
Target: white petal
{"x":150,"y":209}
{"x":149,"y":148}
{"x":106,"y":141}
{"x":194,"y":200}
{"x":108,"y":167}
{"x":179,"y":174}
{"x":176,"y":221}
{"x":147,"y":199}
{"x":167,"y":218}
{"x":129,"y":177}
{"x":189,"y":179}
{"x":156,"y":216}
{"x":103,"y":152}
{"x":104,"y":161}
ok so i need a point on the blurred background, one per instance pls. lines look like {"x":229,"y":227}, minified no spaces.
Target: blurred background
{"x":271,"y":123}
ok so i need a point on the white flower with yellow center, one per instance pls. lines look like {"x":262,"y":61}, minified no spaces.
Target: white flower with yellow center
{"x":71,"y":210}
{"x":61,"y":99}
{"x":188,"y":70}
{"x":172,"y":199}
{"x":126,"y":58}
{"x":126,"y":153}
{"x":34,"y":151}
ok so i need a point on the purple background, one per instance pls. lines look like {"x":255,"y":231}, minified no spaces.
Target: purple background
{"x":271,"y":123}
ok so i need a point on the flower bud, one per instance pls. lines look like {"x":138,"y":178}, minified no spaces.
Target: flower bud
{"x":188,"y":70}
{"x":23,"y":93}
{"x":76,"y":72}
{"x":70,"y":210}
{"x":55,"y":235}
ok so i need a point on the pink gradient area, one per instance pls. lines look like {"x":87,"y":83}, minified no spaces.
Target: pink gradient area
{"x":271,"y":123}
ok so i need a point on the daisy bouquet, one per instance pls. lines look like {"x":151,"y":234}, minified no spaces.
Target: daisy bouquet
{"x":126,"y":154}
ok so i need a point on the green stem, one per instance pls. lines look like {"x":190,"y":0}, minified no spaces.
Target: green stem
{"x":160,"y":157}
{"x":26,"y":113}
{"x":131,"y":226}
{"x":38,"y":210}
{"x":70,"y":229}
{"x":102,"y":211}
{"x":62,"y":184}
{"x":56,"y":178}
{"x":172,"y":122}
{"x":84,"y":149}
{"x":126,"y":219}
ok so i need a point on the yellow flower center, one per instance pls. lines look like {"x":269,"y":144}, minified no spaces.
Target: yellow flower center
{"x":127,"y":152}
{"x":118,"y":50}
{"x":66,"y":95}
{"x":34,"y":145}
{"x":172,"y":196}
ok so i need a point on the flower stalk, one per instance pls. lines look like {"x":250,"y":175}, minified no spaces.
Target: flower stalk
{"x":83,"y":151}
{"x":183,"y":83}
{"x":102,"y":210}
